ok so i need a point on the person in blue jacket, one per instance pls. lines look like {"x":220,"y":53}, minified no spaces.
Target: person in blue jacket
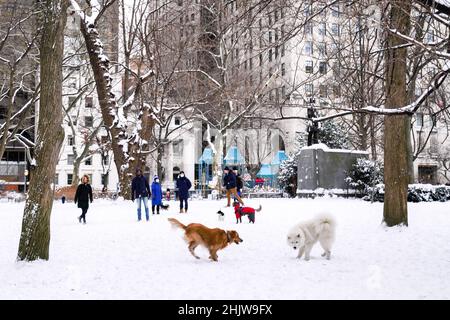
{"x":183,"y":186}
{"x":230,"y":184}
{"x":156,"y":195}
{"x":140,"y":191}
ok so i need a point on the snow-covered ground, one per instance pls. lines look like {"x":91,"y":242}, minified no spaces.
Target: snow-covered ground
{"x":115,"y":257}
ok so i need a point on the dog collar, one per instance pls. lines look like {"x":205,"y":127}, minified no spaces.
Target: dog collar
{"x":228,"y":237}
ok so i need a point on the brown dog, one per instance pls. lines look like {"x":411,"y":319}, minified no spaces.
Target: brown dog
{"x":213,"y":239}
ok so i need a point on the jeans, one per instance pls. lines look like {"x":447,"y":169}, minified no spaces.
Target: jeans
{"x":185,"y":204}
{"x":138,"y":203}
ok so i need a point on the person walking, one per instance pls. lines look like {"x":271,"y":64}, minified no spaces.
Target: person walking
{"x":229,"y":181}
{"x":239,"y":181}
{"x":156,"y":195}
{"x":140,"y":191}
{"x":183,"y":186}
{"x":82,"y":196}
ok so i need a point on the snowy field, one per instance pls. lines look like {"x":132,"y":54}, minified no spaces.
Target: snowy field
{"x":115,"y":257}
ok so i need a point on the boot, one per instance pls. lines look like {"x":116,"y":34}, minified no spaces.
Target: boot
{"x":181,"y":211}
{"x":79,"y":219}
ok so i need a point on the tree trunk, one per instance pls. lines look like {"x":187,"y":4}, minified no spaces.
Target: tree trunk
{"x":35,"y":235}
{"x":76,"y":171}
{"x":396,"y":170}
{"x":126,"y":147}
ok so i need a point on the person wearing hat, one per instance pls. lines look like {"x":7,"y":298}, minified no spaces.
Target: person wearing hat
{"x":229,"y":181}
{"x":183,"y":186}
{"x":140,"y":191}
{"x":156,"y":195}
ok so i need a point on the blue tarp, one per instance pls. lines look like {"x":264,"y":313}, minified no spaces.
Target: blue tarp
{"x":233,"y":157}
{"x":279,"y":158}
{"x":265,"y":171}
{"x":207,"y":156}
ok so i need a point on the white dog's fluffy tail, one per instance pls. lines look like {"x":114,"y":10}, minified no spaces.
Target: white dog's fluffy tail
{"x":326,"y":222}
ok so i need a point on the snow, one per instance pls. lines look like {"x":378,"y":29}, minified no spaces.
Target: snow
{"x":115,"y":257}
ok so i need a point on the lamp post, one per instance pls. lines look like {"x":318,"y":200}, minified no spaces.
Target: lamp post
{"x":25,"y":173}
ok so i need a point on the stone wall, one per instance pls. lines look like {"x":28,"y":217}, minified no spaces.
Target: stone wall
{"x":321,"y":167}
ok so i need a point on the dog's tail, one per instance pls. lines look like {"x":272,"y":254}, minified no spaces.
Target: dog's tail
{"x":175,"y":223}
{"x":327,"y":222}
{"x":259,"y":209}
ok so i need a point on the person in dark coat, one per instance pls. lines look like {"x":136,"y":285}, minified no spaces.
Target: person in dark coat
{"x":183,"y":186}
{"x":140,"y":191}
{"x":83,"y":196}
{"x":229,"y":181}
{"x":156,"y":195}
{"x":239,"y":181}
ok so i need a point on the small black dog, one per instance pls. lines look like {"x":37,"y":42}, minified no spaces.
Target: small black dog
{"x":221,"y":215}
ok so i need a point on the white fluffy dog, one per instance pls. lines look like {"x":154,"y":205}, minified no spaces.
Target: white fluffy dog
{"x":305,"y":235}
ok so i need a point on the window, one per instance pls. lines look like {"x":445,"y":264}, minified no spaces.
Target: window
{"x":419,"y":119}
{"x":177,"y":121}
{"x":335,"y":29}
{"x":72,"y":101}
{"x":337,"y":90}
{"x":307,"y":10}
{"x":433,"y":119}
{"x":178,"y":148}
{"x":282,"y":50}
{"x":270,"y":55}
{"x":430,"y":36}
{"x":192,"y":16}
{"x":283,"y":69}
{"x":105,"y":179}
{"x":88,"y":161}
{"x":70,"y":159}
{"x":69,"y":178}
{"x":89,"y":102}
{"x":276,"y":52}
{"x":105,"y":159}
{"x":270,"y":36}
{"x":309,"y":66}
{"x":309,"y":89}
{"x":89,"y":121}
{"x":308,"y":48}
{"x":70,"y":140}
{"x":283,"y":92}
{"x":322,"y":67}
{"x":335,"y":11}
{"x":308,"y":28}
{"x":56,"y":180}
{"x":322,"y":47}
{"x":180,"y":2}
{"x":322,"y":29}
{"x":74,"y":120}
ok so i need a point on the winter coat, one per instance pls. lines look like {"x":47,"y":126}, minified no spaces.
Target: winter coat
{"x":156,"y":194}
{"x":83,"y":195}
{"x":229,"y":180}
{"x":239,"y":183}
{"x":139,"y":187}
{"x":183,"y":186}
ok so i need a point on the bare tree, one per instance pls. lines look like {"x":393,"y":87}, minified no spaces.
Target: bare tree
{"x":126,"y":141}
{"x":18,"y":51}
